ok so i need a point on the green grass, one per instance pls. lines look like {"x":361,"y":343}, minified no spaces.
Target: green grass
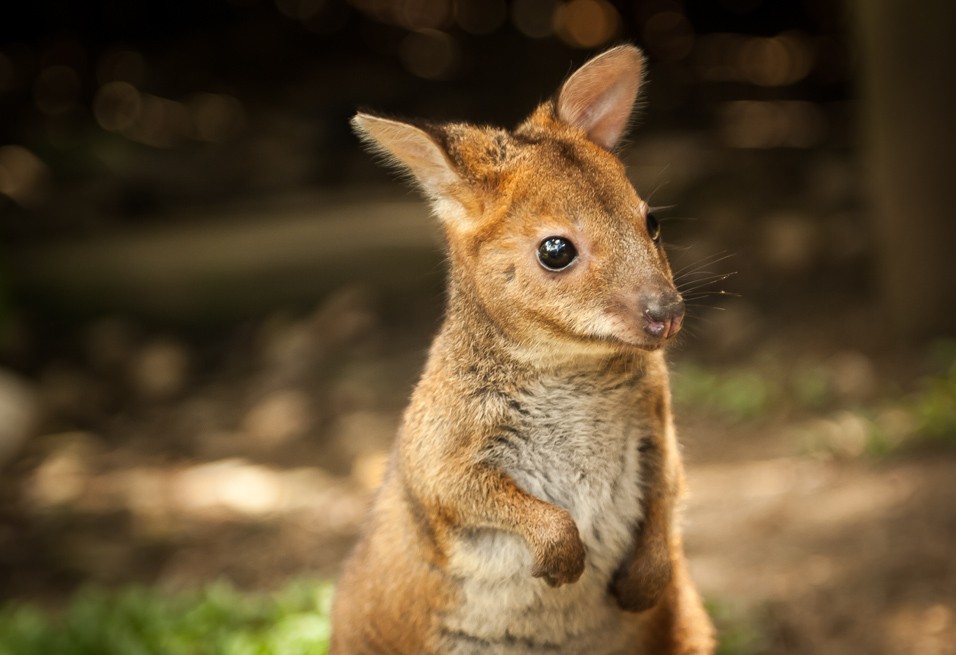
{"x":887,"y":420}
{"x":934,"y":403}
{"x":738,"y":632}
{"x":923,"y":416}
{"x":732,"y":394}
{"x":754,"y":391}
{"x":219,"y":620}
{"x":215,"y":621}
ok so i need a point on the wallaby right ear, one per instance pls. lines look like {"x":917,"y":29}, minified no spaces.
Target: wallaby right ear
{"x":411,"y":149}
{"x":600,"y":96}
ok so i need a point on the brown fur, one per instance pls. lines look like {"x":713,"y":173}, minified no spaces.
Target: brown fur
{"x":515,"y":335}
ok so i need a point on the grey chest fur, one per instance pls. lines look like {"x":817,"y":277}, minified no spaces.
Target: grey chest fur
{"x":574,"y":442}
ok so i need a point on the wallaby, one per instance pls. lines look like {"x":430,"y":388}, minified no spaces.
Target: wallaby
{"x":529,"y":502}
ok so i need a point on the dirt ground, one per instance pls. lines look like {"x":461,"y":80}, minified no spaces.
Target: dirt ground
{"x":827,"y":556}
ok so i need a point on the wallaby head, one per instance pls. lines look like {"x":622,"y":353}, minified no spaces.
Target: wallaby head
{"x":545,"y":231}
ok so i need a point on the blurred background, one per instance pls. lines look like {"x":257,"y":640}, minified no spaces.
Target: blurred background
{"x":213,"y":304}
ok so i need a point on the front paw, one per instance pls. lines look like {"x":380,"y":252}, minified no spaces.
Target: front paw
{"x":558,"y":552}
{"x":640,"y":584}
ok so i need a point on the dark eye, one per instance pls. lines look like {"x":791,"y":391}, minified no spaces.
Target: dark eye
{"x":653,"y":228}
{"x":556,"y":253}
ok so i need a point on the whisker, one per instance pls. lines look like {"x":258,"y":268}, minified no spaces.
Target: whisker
{"x":703,"y":263}
{"x":702,"y":296}
{"x":700,"y":284}
{"x":693,"y":295}
{"x":706,"y":261}
{"x":701,"y":299}
{"x":701,"y":272}
{"x":695,"y":309}
{"x":710,"y":259}
{"x":676,"y":246}
{"x":716,"y":255}
{"x":702,"y":276}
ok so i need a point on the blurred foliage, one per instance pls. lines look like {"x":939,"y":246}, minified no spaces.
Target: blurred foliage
{"x":746,"y":393}
{"x":926,"y":415}
{"x":737,"y":394}
{"x":216,"y":621}
{"x":222,"y":621}
{"x":870,"y":419}
{"x":935,"y":403}
{"x":738,"y":633}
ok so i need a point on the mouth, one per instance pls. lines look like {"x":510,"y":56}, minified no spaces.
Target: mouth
{"x":628,"y":330}
{"x":663,"y":329}
{"x":630,"y":341}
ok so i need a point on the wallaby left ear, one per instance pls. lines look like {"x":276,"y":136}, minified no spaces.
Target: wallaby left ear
{"x":599,"y":97}
{"x":410,"y":148}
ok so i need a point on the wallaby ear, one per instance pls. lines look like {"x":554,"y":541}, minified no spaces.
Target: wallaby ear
{"x":410,"y":148}
{"x":599,"y":97}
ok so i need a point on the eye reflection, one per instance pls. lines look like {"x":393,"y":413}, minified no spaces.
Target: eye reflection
{"x":556,"y":253}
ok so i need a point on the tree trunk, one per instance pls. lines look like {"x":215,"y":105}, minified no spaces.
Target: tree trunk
{"x":909,"y":109}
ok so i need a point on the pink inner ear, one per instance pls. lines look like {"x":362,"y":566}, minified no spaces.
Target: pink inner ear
{"x":409,"y":147}
{"x":600,"y":97}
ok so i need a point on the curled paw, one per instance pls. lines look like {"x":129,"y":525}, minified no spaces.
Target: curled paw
{"x":559,"y":553}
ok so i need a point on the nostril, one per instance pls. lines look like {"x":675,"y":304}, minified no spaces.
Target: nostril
{"x":654,"y":313}
{"x":664,"y":308}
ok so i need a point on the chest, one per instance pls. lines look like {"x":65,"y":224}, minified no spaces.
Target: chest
{"x":575,"y":444}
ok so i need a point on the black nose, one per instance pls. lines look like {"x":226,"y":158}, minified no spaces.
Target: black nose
{"x":663,"y":314}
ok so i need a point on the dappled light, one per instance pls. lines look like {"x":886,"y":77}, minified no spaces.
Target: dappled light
{"x":587,"y":23}
{"x":771,"y":124}
{"x":780,"y":60}
{"x":22,"y":175}
{"x":160,"y":122}
{"x":429,"y":53}
{"x":160,"y":498}
{"x":669,"y":34}
{"x":534,"y":19}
